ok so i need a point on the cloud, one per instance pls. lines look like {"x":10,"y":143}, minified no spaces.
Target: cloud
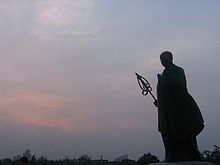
{"x":65,"y":17}
{"x":43,"y":110}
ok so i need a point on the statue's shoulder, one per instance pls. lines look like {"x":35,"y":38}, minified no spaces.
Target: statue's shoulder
{"x":178,"y":68}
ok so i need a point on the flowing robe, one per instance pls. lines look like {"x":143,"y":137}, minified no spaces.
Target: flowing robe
{"x":179,"y":116}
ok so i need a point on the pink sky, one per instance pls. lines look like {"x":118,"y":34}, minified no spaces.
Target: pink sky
{"x":67,"y":73}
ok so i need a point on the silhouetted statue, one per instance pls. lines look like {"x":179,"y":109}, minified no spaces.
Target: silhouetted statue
{"x":179,"y":117}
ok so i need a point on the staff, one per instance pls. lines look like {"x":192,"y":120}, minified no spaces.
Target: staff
{"x":145,"y":86}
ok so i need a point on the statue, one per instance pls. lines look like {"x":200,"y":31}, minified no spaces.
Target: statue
{"x":179,"y":117}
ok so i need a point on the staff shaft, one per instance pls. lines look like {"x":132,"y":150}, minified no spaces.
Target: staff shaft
{"x":152,"y":96}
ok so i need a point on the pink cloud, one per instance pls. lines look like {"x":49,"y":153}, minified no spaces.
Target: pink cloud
{"x":42,"y":110}
{"x":61,"y":17}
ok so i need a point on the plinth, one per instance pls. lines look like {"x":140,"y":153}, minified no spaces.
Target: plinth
{"x":183,"y":163}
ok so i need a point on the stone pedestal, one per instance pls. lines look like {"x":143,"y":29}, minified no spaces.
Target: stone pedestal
{"x":183,"y":163}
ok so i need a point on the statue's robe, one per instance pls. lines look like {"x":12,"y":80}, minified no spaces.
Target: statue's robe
{"x":179,"y":117}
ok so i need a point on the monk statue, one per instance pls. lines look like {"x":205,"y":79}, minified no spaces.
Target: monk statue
{"x":179,"y":117}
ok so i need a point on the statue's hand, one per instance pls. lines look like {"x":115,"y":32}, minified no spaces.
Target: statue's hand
{"x":156,"y":103}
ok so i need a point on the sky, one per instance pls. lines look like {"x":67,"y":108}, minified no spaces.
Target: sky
{"x":67,"y":78}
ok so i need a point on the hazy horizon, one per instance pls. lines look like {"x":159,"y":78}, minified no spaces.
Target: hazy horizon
{"x":67,"y":73}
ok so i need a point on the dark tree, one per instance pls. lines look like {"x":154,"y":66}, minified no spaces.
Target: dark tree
{"x":147,"y":159}
{"x":207,"y":155}
{"x":212,"y":156}
{"x":128,"y":162}
{"x":42,"y":161}
{"x":6,"y":161}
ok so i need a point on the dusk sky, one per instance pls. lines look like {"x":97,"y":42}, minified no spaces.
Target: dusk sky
{"x":67,"y":73}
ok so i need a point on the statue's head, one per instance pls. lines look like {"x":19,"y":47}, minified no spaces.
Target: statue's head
{"x":166,"y":59}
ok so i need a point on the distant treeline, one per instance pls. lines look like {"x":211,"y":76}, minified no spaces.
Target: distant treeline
{"x":210,"y":156}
